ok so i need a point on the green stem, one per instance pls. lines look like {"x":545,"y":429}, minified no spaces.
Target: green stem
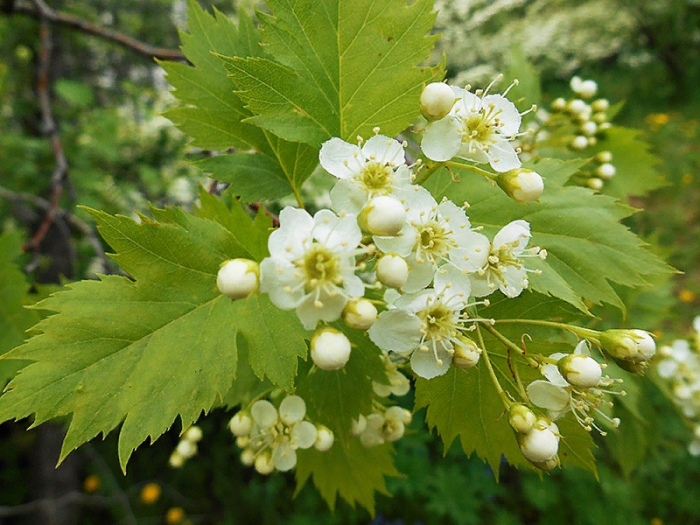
{"x":297,"y":196}
{"x":503,"y":339}
{"x":428,"y":172}
{"x":586,"y":333}
{"x":469,"y":167}
{"x":504,"y":397}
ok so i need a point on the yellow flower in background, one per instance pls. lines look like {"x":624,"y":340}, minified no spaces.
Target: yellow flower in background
{"x":92,"y":484}
{"x":657,"y":120}
{"x":174,"y":516}
{"x":686,"y":296}
{"x":150,"y":493}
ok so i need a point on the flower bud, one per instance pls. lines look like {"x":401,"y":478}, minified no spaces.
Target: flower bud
{"x":605,"y":171}
{"x":243,"y":441}
{"x":636,"y":346}
{"x":176,"y":460}
{"x":599,"y":118}
{"x":436,"y":101}
{"x":392,"y":270}
{"x":546,"y":466}
{"x":586,"y":88}
{"x":397,"y":413}
{"x":186,"y":449}
{"x":358,"y":425}
{"x":466,"y":354}
{"x":324,"y":438}
{"x":521,"y":184}
{"x":238,"y":278}
{"x":580,"y":370}
{"x":330,"y":349}
{"x":193,"y":434}
{"x":383,"y":216}
{"x":579,"y":142}
{"x":539,"y":445}
{"x":248,"y":457}
{"x":603,"y":157}
{"x":521,"y":419}
{"x":240,"y":424}
{"x":264,"y":464}
{"x":359,"y":314}
{"x":595,"y":184}
{"x":578,"y":106}
{"x":589,"y":128}
{"x":559,"y":104}
{"x":600,"y":105}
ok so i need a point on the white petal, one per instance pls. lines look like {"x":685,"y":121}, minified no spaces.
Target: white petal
{"x":509,"y":115}
{"x":502,"y":156}
{"x":680,"y":350}
{"x":470,"y":102}
{"x":396,"y":331}
{"x":276,"y":275}
{"x":551,"y":372}
{"x":425,"y":365}
{"x":284,"y":457}
{"x":418,"y":201}
{"x":420,"y":274}
{"x":454,"y":282}
{"x":304,"y":434}
{"x":292,"y":409}
{"x":474,"y":150}
{"x":263,"y":413}
{"x":289,"y":241}
{"x":441,"y":140}
{"x":353,"y":285}
{"x":348,"y":197}
{"x":335,"y":152}
{"x":310,"y":315}
{"x":472,"y":252}
{"x":546,"y":395}
{"x":667,"y":368}
{"x":402,"y":244}
{"x":480,"y":285}
{"x":401,"y":178}
{"x":454,"y":215}
{"x":384,"y":150}
{"x":514,"y":280}
{"x":513,"y":232}
{"x":336,"y":232}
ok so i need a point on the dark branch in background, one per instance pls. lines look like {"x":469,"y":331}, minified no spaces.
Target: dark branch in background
{"x":64,"y":216}
{"x":68,"y":499}
{"x":42,"y":11}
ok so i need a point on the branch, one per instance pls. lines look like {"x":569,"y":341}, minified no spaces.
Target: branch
{"x":44,"y":12}
{"x":67,"y":499}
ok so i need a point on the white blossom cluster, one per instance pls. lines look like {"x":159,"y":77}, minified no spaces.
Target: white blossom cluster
{"x":383,"y":224}
{"x":538,"y":437}
{"x":187,"y":447}
{"x":680,"y":367}
{"x":270,"y":436}
{"x":385,"y":426}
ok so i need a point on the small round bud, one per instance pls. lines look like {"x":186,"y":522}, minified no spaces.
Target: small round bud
{"x":466,"y":354}
{"x":359,"y":314}
{"x":599,"y":118}
{"x":605,"y":171}
{"x":605,"y":126}
{"x":384,"y":216}
{"x":521,"y":419}
{"x":240,"y":424}
{"x":600,"y":105}
{"x":238,"y":278}
{"x":243,"y":441}
{"x":580,"y":142}
{"x":595,"y":184}
{"x":436,"y":101}
{"x":645,"y":344}
{"x":176,"y":460}
{"x":392,"y":270}
{"x":636,"y":346}
{"x":186,"y":449}
{"x":578,"y":106}
{"x":603,"y":157}
{"x":585,"y":88}
{"x":358,"y":425}
{"x":589,"y":128}
{"x":575,"y":83}
{"x":580,"y":370}
{"x":248,"y":457}
{"x":324,"y":438}
{"x":264,"y":464}
{"x":539,"y":445}
{"x":521,"y":184}
{"x":559,"y":104}
{"x":592,"y":141}
{"x":330,"y":349}
{"x":193,"y":434}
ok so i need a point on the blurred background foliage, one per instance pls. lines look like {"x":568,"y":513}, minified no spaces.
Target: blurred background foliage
{"x":122,"y":154}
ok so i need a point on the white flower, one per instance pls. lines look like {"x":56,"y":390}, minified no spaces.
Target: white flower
{"x":387,"y":427}
{"x":504,"y":269}
{"x":580,"y":142}
{"x":377,"y":168}
{"x":434,"y":234}
{"x":193,"y":434}
{"x":427,"y":325}
{"x":312,"y":265}
{"x":399,"y":385}
{"x":480,"y":128}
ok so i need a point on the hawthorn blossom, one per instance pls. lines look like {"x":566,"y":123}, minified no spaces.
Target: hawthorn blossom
{"x":312,"y":264}
{"x":480,"y":127}
{"x":377,"y":168}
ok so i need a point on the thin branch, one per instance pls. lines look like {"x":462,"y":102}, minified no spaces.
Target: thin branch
{"x":118,"y":494}
{"x":65,"y":500}
{"x":43,"y":11}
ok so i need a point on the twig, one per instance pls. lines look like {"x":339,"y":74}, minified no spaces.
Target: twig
{"x":67,"y":499}
{"x":63,"y":215}
{"x":118,"y":494}
{"x":255,"y":206}
{"x":43,"y":11}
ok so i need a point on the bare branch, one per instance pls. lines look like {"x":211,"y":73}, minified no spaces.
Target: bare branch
{"x":68,"y":499}
{"x":43,"y":11}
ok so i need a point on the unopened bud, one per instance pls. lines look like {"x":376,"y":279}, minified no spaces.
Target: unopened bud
{"x":586,"y":88}
{"x":384,"y":216}
{"x":580,"y":370}
{"x":559,"y":104}
{"x":193,"y":434}
{"x":521,"y":184}
{"x":521,"y":419}
{"x":397,"y":413}
{"x":359,"y":314}
{"x":546,"y":466}
{"x":240,"y":424}
{"x":324,"y":438}
{"x":605,"y":171}
{"x":264,"y":464}
{"x":330,"y":349}
{"x":589,"y":128}
{"x":600,"y":105}
{"x":539,"y":445}
{"x":580,"y":142}
{"x":238,"y":278}
{"x":436,"y":101}
{"x":466,"y":354}
{"x":578,"y":106}
{"x":186,"y":449}
{"x":176,"y":460}
{"x":599,"y":118}
{"x":358,"y":425}
{"x":248,"y":457}
{"x":636,"y":346}
{"x":603,"y":157}
{"x":392,"y":270}
{"x":595,"y":184}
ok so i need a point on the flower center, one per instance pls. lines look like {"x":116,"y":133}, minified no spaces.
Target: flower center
{"x":320,"y":267}
{"x":434,"y":240}
{"x":438,"y":321}
{"x":376,"y":176}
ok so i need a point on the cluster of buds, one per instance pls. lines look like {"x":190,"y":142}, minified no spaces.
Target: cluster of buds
{"x":603,"y":171}
{"x":186,"y":448}
{"x":270,"y":436}
{"x":538,"y":437}
{"x":381,"y":427}
{"x":679,"y":366}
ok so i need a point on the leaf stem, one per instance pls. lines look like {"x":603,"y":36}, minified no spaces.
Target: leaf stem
{"x":504,"y":397}
{"x":428,"y":172}
{"x":586,"y":333}
{"x":469,"y":167}
{"x":297,"y":196}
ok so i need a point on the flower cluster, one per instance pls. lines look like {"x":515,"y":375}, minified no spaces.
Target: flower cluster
{"x":186,"y":448}
{"x":538,"y":437}
{"x":381,"y":427}
{"x":680,"y":367}
{"x":270,"y":436}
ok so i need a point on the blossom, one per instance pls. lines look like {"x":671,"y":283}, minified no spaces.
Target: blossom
{"x":312,"y":265}
{"x":504,"y":268}
{"x":377,"y":428}
{"x":377,"y":168}
{"x":426,"y":325}
{"x":399,"y":385}
{"x":479,"y":128}
{"x":434,"y":234}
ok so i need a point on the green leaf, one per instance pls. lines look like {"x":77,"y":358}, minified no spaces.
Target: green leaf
{"x":528,"y":91}
{"x":576,"y":445}
{"x":213,"y":115}
{"x":587,"y":246}
{"x":338,"y":69}
{"x":146,"y":350}
{"x":352,"y":472}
